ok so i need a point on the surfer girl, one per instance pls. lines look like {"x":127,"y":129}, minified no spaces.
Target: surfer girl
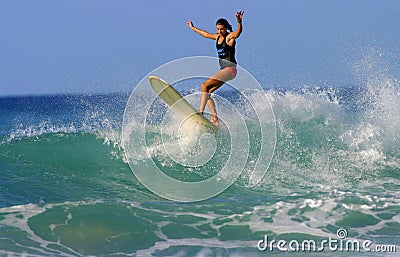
{"x":225,"y":42}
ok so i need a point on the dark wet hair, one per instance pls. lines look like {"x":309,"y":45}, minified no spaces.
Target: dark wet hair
{"x":225,"y":23}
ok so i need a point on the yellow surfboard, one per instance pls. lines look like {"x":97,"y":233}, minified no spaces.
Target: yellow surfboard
{"x":179,"y":104}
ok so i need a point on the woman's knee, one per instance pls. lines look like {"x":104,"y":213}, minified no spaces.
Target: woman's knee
{"x":206,"y":87}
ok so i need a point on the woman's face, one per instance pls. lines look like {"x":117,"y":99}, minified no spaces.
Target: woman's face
{"x":221,"y":30}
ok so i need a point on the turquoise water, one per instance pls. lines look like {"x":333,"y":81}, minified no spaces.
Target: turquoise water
{"x":66,"y":188}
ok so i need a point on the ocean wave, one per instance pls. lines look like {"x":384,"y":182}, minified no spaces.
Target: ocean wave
{"x":91,"y":227}
{"x":324,"y":135}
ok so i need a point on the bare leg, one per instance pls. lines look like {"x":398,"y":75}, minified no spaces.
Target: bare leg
{"x":204,"y":98}
{"x":213,"y":110}
{"x":209,"y":86}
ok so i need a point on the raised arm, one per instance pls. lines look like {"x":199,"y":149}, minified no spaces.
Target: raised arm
{"x":235,"y":34}
{"x":201,"y":32}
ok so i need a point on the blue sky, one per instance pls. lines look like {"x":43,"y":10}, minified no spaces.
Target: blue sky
{"x":97,"y":46}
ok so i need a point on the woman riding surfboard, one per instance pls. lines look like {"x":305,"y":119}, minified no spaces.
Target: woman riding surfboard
{"x":225,"y":43}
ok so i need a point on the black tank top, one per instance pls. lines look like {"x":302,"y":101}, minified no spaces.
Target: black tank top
{"x":226,"y":54}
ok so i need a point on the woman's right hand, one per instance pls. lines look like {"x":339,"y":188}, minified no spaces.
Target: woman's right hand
{"x":190,"y":24}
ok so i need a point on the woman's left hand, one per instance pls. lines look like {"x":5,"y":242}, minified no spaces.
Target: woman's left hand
{"x":239,"y":15}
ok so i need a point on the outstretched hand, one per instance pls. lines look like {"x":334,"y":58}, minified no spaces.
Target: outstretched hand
{"x":239,"y":15}
{"x":190,"y":24}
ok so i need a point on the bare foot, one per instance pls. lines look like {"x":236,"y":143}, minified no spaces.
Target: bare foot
{"x":214,"y":120}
